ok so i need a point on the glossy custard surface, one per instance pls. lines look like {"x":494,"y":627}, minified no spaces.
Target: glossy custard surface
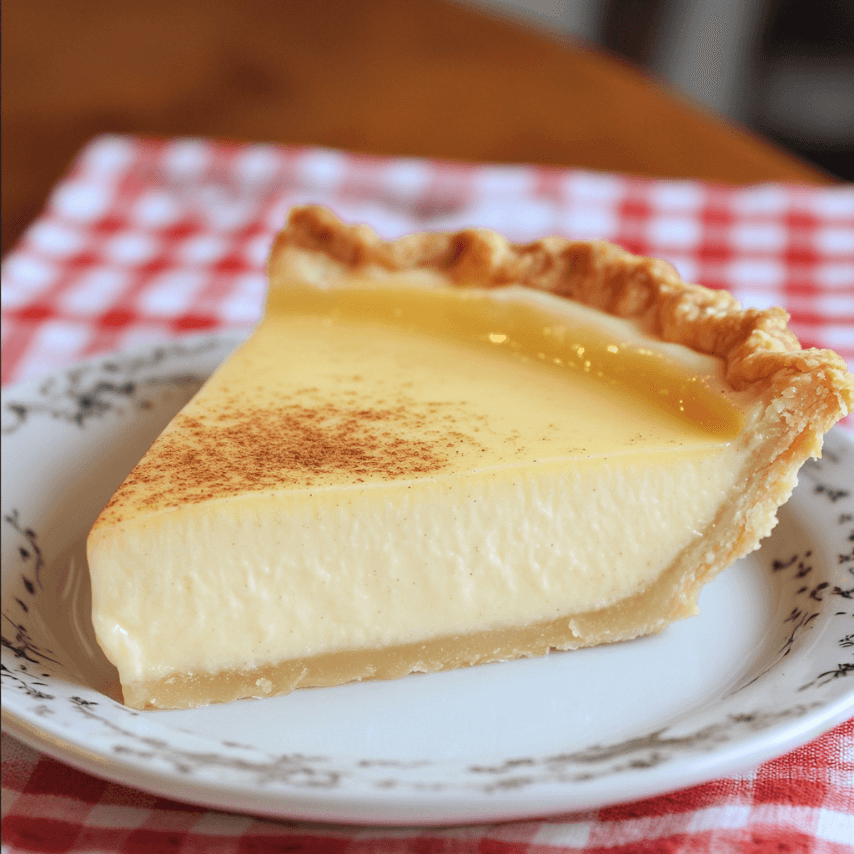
{"x":352,"y":387}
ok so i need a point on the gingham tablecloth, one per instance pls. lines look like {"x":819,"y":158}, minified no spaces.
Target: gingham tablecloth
{"x":147,"y":240}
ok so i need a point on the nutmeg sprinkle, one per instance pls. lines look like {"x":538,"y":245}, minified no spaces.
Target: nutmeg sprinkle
{"x":338,"y":400}
{"x":300,"y":444}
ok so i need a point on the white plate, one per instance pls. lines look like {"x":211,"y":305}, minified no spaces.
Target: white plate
{"x":766,"y":666}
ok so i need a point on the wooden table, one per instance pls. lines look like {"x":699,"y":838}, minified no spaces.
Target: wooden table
{"x":414,"y":77}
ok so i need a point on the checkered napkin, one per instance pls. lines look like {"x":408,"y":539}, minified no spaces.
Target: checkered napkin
{"x":148,"y":240}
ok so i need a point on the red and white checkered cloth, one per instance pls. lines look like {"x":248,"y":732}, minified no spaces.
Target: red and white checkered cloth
{"x":146,"y":240}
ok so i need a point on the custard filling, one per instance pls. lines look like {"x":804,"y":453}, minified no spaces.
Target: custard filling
{"x":298,"y":508}
{"x":647,"y":611}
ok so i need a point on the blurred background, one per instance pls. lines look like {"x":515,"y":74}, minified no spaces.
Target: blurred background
{"x":668,"y":88}
{"x":782,"y":67}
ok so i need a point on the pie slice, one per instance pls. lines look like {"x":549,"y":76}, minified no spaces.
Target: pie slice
{"x":446,"y":450}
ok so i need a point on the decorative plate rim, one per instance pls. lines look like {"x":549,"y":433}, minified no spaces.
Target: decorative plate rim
{"x":313,"y":787}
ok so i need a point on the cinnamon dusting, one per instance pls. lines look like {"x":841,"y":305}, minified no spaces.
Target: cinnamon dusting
{"x":302,"y":443}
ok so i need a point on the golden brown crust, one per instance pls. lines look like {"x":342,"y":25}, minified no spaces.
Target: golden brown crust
{"x":756,"y":346}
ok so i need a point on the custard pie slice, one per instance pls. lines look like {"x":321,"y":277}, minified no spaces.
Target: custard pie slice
{"x":447,"y":450}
